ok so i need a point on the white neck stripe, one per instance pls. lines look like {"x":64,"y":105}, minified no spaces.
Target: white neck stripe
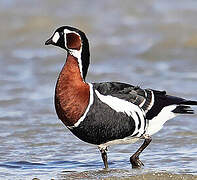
{"x":74,"y":52}
{"x":91,"y":100}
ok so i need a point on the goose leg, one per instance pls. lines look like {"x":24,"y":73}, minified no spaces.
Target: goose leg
{"x":104,"y":157}
{"x":134,"y":159}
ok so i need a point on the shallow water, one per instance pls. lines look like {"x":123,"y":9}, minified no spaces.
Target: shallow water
{"x":147,"y":43}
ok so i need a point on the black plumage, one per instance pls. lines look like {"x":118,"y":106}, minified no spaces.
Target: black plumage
{"x":103,"y":124}
{"x":130,"y":93}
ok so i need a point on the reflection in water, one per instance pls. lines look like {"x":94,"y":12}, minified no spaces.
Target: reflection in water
{"x":147,"y":43}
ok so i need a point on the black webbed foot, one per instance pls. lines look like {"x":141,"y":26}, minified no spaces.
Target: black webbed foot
{"x":135,"y":162}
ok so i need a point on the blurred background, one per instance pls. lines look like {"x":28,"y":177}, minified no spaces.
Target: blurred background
{"x":152,"y":44}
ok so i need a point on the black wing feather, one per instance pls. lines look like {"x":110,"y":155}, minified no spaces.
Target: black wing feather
{"x":161,"y":100}
{"x":144,"y":97}
{"x":133,"y":94}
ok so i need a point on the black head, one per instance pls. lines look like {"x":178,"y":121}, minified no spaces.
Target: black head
{"x":74,"y":42}
{"x":66,"y":37}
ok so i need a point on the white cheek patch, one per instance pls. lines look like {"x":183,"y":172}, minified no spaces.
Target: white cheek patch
{"x":56,"y":37}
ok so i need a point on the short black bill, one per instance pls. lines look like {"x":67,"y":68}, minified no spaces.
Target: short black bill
{"x":49,"y":41}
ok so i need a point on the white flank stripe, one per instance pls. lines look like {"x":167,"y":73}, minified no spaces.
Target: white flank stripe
{"x":157,"y":122}
{"x":142,"y":103}
{"x":87,"y":109}
{"x":152,"y":101}
{"x":120,"y":105}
